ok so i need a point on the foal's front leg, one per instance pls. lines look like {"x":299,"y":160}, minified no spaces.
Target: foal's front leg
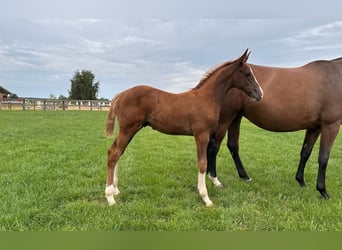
{"x":201,"y":143}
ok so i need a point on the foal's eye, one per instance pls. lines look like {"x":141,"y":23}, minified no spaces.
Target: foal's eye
{"x":248,"y":74}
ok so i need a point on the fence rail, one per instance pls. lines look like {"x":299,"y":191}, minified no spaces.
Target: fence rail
{"x":53,"y":104}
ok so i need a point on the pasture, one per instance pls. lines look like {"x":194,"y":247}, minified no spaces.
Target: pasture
{"x":53,"y":171}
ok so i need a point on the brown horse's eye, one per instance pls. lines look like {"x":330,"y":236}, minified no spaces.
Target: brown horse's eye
{"x":248,"y":74}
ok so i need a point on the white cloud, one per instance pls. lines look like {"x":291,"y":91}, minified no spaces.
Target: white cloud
{"x":324,"y":37}
{"x":168,"y":54}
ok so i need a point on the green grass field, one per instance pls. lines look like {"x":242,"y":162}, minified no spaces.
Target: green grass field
{"x":53,"y":171}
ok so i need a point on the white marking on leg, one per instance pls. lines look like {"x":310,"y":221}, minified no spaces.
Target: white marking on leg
{"x":109,"y":192}
{"x":202,"y":189}
{"x":115,"y":182}
{"x":215,"y":181}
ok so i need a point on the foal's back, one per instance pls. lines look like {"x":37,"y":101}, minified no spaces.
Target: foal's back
{"x":166,"y":112}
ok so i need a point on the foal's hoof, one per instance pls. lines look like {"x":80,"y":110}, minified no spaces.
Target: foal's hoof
{"x":110,"y":192}
{"x":210,"y":204}
{"x":111,"y":201}
{"x":248,"y":180}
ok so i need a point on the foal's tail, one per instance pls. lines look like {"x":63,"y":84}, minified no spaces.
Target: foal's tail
{"x":109,"y":128}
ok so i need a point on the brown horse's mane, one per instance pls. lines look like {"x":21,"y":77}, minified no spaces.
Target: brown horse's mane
{"x":336,"y":59}
{"x":324,"y":61}
{"x":211,"y":72}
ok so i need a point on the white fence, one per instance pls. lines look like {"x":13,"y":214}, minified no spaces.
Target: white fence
{"x":53,"y":104}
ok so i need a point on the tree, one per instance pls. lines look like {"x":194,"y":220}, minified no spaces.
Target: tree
{"x":83,"y":86}
{"x":62,"y":97}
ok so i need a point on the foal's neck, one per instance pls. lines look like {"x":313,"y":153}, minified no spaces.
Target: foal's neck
{"x":218,"y":85}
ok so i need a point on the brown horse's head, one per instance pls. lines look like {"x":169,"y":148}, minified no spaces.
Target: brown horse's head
{"x":243,"y":77}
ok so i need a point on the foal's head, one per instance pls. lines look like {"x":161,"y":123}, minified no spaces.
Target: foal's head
{"x":240,"y":75}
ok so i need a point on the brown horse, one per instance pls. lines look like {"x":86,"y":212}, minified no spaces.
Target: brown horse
{"x":307,"y":97}
{"x":195,"y":112}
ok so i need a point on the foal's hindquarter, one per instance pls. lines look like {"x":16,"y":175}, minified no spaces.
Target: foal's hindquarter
{"x":308,"y":97}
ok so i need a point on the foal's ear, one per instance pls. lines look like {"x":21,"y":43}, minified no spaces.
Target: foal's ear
{"x":244,"y":57}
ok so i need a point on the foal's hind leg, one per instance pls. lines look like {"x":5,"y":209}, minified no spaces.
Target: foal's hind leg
{"x":114,"y":153}
{"x":309,"y":141}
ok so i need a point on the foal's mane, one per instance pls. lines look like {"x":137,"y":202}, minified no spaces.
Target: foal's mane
{"x":210,"y":72}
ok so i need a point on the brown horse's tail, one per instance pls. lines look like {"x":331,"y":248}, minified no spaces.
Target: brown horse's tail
{"x":109,"y":128}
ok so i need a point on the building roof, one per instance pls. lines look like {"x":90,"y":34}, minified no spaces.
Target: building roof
{"x":4,"y":91}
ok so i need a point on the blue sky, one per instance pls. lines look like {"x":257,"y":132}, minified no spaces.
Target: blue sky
{"x":39,"y":53}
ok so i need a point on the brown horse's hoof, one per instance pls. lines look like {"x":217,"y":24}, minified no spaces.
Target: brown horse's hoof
{"x":325,"y":196}
{"x":303,"y":185}
{"x":215,"y":181}
{"x":301,"y":182}
{"x":323,"y":192}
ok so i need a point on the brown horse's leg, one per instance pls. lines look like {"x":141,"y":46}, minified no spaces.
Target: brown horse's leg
{"x":212,"y":150}
{"x":309,"y":141}
{"x":201,"y":143}
{"x":211,"y":156}
{"x":114,"y":153}
{"x":233,"y":146}
{"x":328,"y":136}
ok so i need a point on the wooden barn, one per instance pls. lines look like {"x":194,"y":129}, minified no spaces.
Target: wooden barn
{"x":4,"y":93}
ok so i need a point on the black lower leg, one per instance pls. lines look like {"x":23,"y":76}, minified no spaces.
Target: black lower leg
{"x":234,"y":151}
{"x":309,"y":141}
{"x":233,"y":146}
{"x":211,"y":156}
{"x":320,"y":186}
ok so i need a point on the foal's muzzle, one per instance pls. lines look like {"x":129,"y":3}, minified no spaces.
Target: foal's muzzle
{"x":257,"y":94}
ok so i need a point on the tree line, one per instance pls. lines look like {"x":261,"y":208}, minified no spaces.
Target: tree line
{"x":83,"y":87}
